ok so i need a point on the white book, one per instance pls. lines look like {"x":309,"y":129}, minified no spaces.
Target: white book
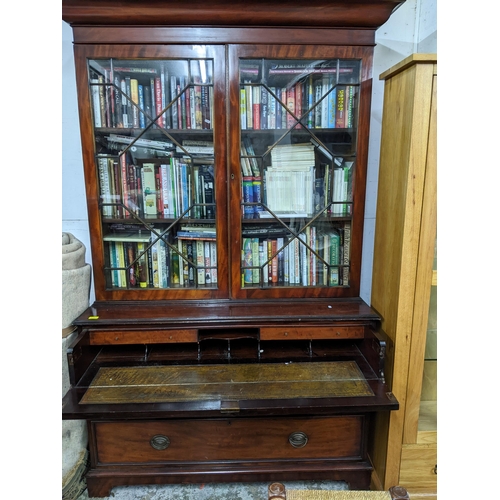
{"x":96,"y":101}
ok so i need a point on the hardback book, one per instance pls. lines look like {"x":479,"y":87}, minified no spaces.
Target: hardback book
{"x":340,"y":111}
{"x":149,"y":188}
{"x":256,"y":108}
{"x":200,"y":260}
{"x":134,"y":95}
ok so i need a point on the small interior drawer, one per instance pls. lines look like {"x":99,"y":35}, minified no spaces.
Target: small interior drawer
{"x":117,"y":337}
{"x":314,"y":332}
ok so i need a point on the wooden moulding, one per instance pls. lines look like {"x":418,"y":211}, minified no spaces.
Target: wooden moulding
{"x":316,"y":13}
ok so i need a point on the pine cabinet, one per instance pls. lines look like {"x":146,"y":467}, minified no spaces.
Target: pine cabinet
{"x":405,"y":298}
{"x":225,"y":151}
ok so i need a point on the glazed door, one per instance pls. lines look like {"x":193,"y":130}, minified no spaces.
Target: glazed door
{"x":155,"y":170}
{"x":298,"y":170}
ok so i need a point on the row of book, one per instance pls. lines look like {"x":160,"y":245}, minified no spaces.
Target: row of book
{"x":314,"y":258}
{"x":316,"y":103}
{"x":167,"y":188}
{"x":145,"y":260}
{"x":170,"y":101}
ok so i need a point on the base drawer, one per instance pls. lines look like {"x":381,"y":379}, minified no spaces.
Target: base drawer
{"x":229,"y":439}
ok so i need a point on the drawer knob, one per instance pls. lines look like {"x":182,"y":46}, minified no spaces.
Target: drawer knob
{"x":298,"y":439}
{"x":159,"y":442}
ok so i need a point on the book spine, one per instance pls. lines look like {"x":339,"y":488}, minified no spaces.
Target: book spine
{"x":96,"y":103}
{"x":340,"y":108}
{"x":334,"y":259}
{"x":118,"y":111}
{"x":264,"y":110}
{"x":113,"y":263}
{"x":247,"y":261}
{"x":191,"y":256}
{"x":263,"y":262}
{"x":309,"y":98}
{"x":134,"y":95}
{"x":158,"y":101}
{"x":281,"y":270}
{"x":130,"y":263}
{"x":159,"y":191}
{"x":272,"y":110}
{"x":255,"y":260}
{"x":142,"y":106}
{"x":208,"y":275}
{"x":102,"y":102}
{"x":125,"y":104}
{"x":197,"y":105}
{"x":192,"y":108}
{"x":163,"y":265}
{"x":279,"y":108}
{"x":200,"y":261}
{"x":247,"y":184}
{"x":290,"y":104}
{"x":256,"y":108}
{"x":346,"y":254}
{"x":274,"y":261}
{"x":205,"y":108}
{"x":317,"y":110}
{"x":180,"y":270}
{"x":298,"y":101}
{"x":269,"y":265}
{"x":143,"y":266}
{"x":249,"y":105}
{"x":213,"y":261}
{"x":257,"y":195}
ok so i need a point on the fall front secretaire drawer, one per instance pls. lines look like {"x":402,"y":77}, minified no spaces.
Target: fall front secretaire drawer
{"x":229,"y":439}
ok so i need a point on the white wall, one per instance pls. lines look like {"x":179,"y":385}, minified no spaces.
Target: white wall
{"x":411,"y":28}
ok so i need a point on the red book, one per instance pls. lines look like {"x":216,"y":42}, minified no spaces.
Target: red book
{"x":290,"y":104}
{"x":274,"y":262}
{"x":159,"y":191}
{"x":121,"y":185}
{"x":298,"y":101}
{"x":256,"y":108}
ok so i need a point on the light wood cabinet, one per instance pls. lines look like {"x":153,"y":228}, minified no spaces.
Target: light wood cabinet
{"x":404,"y":274}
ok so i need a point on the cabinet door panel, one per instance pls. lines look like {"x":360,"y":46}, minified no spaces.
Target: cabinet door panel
{"x":156,"y":173}
{"x":298,"y":174}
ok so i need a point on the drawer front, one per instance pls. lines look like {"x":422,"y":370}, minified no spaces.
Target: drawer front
{"x":122,"y":337}
{"x":229,"y":439}
{"x":309,"y":333}
{"x":418,"y":466}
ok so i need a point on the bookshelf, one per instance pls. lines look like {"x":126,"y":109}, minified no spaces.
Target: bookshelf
{"x":225,"y":155}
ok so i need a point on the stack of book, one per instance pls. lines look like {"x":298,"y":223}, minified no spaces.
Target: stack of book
{"x":292,"y":171}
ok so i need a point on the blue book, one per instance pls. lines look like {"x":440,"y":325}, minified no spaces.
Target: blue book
{"x":142,"y":120}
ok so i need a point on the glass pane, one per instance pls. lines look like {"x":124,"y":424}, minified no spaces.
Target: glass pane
{"x":155,"y":163}
{"x":298,"y":157}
